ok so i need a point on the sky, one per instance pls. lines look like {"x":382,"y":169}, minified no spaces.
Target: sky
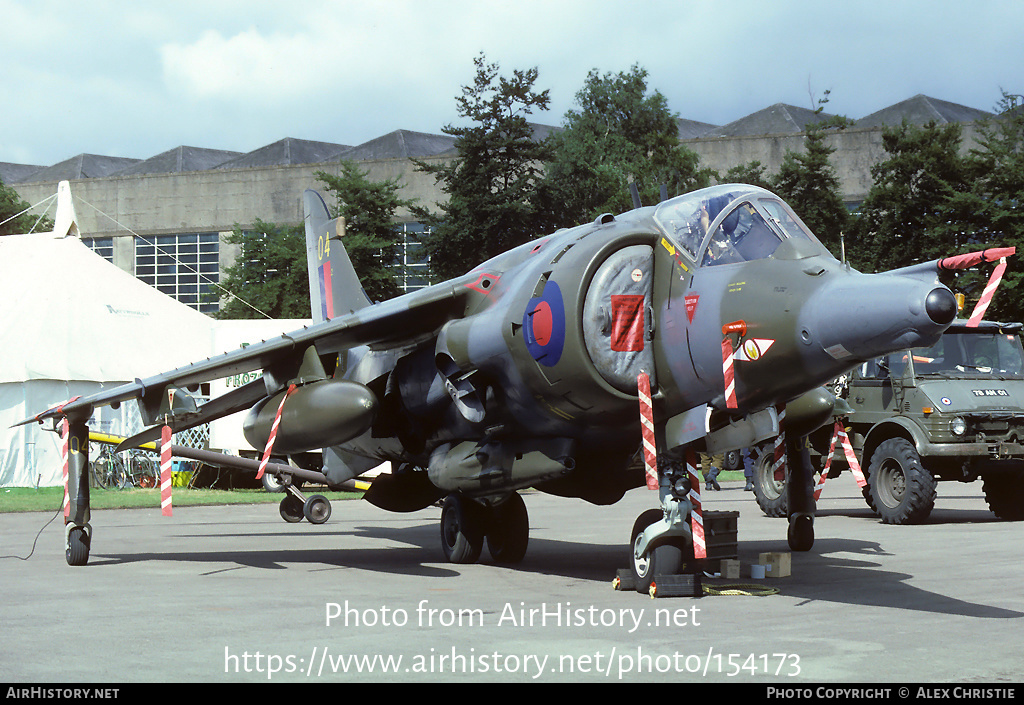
{"x":134,"y":79}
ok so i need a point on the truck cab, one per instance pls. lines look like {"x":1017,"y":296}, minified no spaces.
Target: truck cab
{"x":952,"y":411}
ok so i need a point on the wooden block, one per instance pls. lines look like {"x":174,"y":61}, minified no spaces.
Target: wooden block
{"x":730,"y":568}
{"x":778,"y":565}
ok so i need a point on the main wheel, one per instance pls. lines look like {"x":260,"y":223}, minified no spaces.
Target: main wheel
{"x":77,"y":552}
{"x":769,"y":492}
{"x":902,"y":489}
{"x":508,"y":532}
{"x":665,"y":559}
{"x":1004,"y":494}
{"x":292,"y":509}
{"x":462,"y":529}
{"x":317,"y":509}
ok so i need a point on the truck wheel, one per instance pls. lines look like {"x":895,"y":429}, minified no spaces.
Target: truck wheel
{"x":1004,"y":494}
{"x":769,"y":492}
{"x":902,"y":489}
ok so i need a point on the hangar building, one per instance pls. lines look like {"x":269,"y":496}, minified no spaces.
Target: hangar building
{"x":165,"y":218}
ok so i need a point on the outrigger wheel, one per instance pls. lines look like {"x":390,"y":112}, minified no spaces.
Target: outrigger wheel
{"x":317,"y":509}
{"x":79,"y":539}
{"x":292,"y":509}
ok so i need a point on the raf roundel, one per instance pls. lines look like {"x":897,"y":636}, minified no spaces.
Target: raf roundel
{"x":544,"y":325}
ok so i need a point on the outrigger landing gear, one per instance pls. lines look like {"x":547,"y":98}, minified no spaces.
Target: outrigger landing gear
{"x":77,"y":530}
{"x":295,"y":506}
{"x":800,"y":494}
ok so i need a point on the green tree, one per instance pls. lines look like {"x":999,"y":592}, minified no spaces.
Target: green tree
{"x":492,"y":185}
{"x":914,"y":209}
{"x":995,"y":204}
{"x":620,"y":134}
{"x":269,"y":278}
{"x":11,"y":223}
{"x":753,"y":173}
{"x":809,"y":183}
{"x":371,"y":239}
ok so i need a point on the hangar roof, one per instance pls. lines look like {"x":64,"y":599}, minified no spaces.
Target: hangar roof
{"x":285,"y":152}
{"x":921,"y":109}
{"x":178,"y":160}
{"x":401,"y":144}
{"x":691,"y":129}
{"x":13,"y":173}
{"x":775,"y":119}
{"x":84,"y":166}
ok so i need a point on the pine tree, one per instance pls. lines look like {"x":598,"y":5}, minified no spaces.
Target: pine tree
{"x":269,"y":277}
{"x":620,"y":134}
{"x":491,"y":186}
{"x":371,"y":238}
{"x":808,"y":182}
{"x":914,"y":210}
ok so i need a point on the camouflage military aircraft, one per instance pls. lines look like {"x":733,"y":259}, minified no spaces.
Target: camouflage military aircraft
{"x":524,"y":372}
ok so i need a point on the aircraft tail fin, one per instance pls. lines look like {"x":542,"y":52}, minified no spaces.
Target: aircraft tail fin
{"x":334,"y":287}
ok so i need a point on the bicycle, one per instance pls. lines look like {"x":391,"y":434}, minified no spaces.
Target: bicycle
{"x":107,"y":468}
{"x":143,"y":469}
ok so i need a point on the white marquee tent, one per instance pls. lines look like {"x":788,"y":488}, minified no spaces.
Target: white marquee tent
{"x":72,"y":323}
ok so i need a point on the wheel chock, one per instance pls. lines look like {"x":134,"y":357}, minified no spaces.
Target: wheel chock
{"x":624,"y":580}
{"x":681,"y":585}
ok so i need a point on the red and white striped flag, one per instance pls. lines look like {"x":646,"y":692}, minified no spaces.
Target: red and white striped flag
{"x":273,"y":433}
{"x":700,"y":550}
{"x":165,"y":472}
{"x":65,"y":432}
{"x":643,"y":383}
{"x":986,"y":296}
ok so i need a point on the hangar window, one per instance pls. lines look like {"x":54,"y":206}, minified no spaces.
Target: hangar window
{"x":184,"y":266}
{"x":103,"y":246}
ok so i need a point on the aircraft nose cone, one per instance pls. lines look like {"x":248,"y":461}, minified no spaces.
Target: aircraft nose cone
{"x":867,"y":315}
{"x":941,"y":305}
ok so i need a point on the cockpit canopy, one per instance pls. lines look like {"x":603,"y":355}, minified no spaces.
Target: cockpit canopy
{"x":729,"y":223}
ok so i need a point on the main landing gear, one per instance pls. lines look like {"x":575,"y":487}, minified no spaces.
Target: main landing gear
{"x":295,"y":506}
{"x":466,"y":524}
{"x":800,"y":494}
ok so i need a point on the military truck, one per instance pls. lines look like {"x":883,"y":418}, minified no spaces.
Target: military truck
{"x":954,"y":411}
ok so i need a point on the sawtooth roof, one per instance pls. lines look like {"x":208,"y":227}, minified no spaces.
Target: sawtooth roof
{"x":13,"y":173}
{"x":921,"y":109}
{"x":178,"y":160}
{"x":84,"y":166}
{"x":776,"y":119}
{"x":286,"y":152}
{"x":401,"y":144}
{"x":691,"y":129}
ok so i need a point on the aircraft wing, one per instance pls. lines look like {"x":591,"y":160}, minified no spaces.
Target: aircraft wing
{"x":395,"y":322}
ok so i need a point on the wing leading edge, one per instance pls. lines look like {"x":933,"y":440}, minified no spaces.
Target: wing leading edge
{"x":396,"y":322}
